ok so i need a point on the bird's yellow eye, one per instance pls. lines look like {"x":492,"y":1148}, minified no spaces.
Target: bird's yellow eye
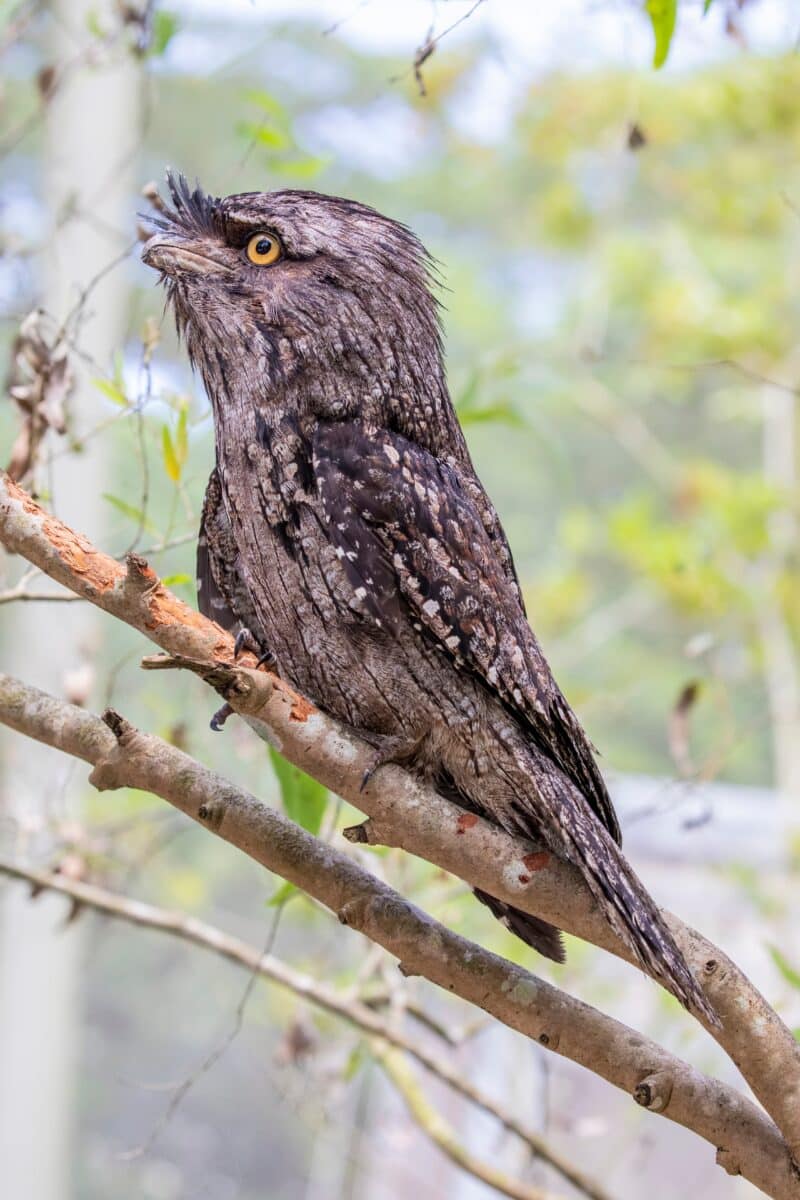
{"x":263,"y":249}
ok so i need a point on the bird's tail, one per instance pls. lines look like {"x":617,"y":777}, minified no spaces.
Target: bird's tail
{"x":532,"y":930}
{"x":577,"y":835}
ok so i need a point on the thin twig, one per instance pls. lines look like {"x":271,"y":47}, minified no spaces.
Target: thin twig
{"x":406,"y":813}
{"x":19,"y":593}
{"x":264,"y":964}
{"x":217,"y":1053}
{"x":428,"y":46}
{"x":747,"y":1141}
{"x":443,"y":1135}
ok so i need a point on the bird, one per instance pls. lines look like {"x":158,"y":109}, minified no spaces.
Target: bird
{"x":346,"y":536}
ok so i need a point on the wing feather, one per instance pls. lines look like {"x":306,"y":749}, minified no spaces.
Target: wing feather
{"x":221,"y":591}
{"x":210,"y":599}
{"x":405,"y":526}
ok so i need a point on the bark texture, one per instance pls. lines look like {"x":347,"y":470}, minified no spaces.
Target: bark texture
{"x":404,"y":811}
{"x":747,"y":1142}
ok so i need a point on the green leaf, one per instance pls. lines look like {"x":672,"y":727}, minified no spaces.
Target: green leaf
{"x":281,"y":895}
{"x":502,"y":412}
{"x":111,"y":390}
{"x":304,"y":800}
{"x":355,"y":1062}
{"x":182,"y":436}
{"x":268,"y":104}
{"x":662,"y":14}
{"x":789,"y":973}
{"x":306,"y":167}
{"x":707,"y":5}
{"x":171,"y":462}
{"x":264,"y":135}
{"x":130,"y":510}
{"x":174,"y":580}
{"x":473,"y":411}
{"x":469,"y":397}
{"x":165,"y":26}
{"x":175,"y":450}
{"x":94,"y":25}
{"x":272,"y":129}
{"x":114,"y":387}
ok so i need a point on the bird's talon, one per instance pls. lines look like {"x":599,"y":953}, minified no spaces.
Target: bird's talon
{"x":220,"y":717}
{"x":397,"y":750}
{"x":245,"y":641}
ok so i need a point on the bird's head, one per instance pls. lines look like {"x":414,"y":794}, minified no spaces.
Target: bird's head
{"x":300,"y":290}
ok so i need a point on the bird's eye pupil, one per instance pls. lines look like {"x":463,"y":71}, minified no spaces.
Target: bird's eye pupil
{"x":263,"y":249}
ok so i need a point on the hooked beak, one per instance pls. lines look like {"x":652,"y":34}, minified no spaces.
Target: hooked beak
{"x":174,"y":255}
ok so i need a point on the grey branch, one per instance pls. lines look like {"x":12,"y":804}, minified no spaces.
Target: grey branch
{"x":396,"y":1068}
{"x":320,"y":995}
{"x":403,"y":812}
{"x":747,"y":1141}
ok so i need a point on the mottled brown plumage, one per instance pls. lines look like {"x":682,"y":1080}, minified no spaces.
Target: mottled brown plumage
{"x":345,"y":527}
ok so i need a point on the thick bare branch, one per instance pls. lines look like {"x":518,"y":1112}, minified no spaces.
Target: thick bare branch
{"x":320,"y":995}
{"x":402,"y":812}
{"x":747,"y":1142}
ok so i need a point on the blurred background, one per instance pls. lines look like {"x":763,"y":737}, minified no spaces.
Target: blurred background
{"x":619,"y":249}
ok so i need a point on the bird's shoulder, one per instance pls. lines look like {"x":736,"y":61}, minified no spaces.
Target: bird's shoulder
{"x":222,"y":593}
{"x":216,"y":552}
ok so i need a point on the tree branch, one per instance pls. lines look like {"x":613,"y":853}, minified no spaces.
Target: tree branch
{"x":431,"y":1122}
{"x":402,"y":811}
{"x":20,"y":594}
{"x":747,"y":1142}
{"x":352,"y":1010}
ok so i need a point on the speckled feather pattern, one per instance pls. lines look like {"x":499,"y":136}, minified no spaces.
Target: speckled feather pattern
{"x":345,"y":526}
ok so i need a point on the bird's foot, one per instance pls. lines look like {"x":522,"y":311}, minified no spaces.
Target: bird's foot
{"x":245,"y":640}
{"x":220,"y":717}
{"x":390,"y":748}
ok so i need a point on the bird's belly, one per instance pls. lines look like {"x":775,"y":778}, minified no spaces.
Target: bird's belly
{"x":376,"y":681}
{"x":308,"y":618}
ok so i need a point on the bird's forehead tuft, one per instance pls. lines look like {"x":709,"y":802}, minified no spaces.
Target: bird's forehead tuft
{"x":296,"y":205}
{"x":310,"y":222}
{"x":189,"y":210}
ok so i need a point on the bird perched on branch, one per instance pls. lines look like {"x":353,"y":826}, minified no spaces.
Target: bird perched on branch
{"x":346,"y":534}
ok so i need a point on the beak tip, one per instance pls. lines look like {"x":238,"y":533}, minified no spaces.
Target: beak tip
{"x":172,"y":255}
{"x":149,"y":251}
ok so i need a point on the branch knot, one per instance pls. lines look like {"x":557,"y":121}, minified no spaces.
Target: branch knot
{"x":654,"y":1092}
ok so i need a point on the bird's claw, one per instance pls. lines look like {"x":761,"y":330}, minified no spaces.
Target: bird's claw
{"x":220,"y":717}
{"x":397,"y":750}
{"x":245,"y":640}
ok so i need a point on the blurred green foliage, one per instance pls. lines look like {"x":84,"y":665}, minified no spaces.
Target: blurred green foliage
{"x":304,"y":800}
{"x":663,"y":14}
{"x":613,"y":318}
{"x":618,"y":268}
